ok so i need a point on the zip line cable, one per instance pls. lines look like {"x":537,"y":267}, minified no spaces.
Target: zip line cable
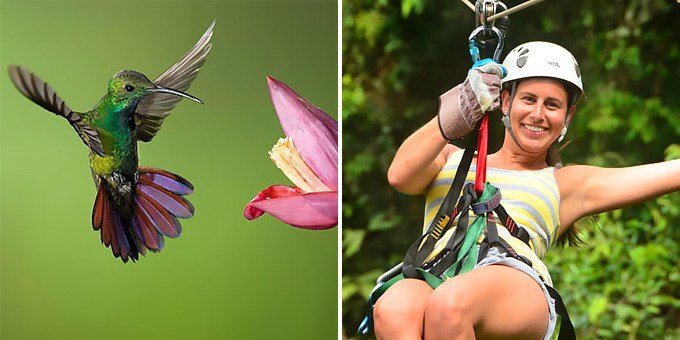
{"x":507,"y":11}
{"x":513,"y":10}
{"x":472,"y":7}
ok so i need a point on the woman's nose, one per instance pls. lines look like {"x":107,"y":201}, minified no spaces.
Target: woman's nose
{"x":536,"y":113}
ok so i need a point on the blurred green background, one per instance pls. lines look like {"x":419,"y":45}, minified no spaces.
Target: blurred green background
{"x":225,"y":277}
{"x":400,"y":55}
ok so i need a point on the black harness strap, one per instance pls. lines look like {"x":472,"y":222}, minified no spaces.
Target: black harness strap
{"x":487,"y":206}
{"x":450,"y":252}
{"x":423,"y":246}
{"x":566,"y":327}
{"x":510,"y":224}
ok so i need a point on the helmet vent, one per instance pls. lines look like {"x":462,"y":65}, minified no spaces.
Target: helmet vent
{"x":578,"y":70}
{"x":523,"y":55}
{"x":522,"y":61}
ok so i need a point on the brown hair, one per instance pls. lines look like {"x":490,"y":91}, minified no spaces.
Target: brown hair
{"x":571,"y":236}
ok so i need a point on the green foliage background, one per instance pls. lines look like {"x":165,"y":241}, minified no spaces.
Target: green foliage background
{"x":398,"y":56}
{"x":225,"y":277}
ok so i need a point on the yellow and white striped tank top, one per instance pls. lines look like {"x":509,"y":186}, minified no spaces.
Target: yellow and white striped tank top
{"x":531,"y":198}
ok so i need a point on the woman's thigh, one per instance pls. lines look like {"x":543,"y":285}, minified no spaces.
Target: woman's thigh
{"x":400,"y":311}
{"x":498,"y":301}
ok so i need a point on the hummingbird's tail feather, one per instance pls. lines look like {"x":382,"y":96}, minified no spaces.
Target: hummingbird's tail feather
{"x":114,"y":232}
{"x":158,"y":204}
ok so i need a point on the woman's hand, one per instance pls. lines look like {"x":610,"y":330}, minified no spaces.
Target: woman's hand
{"x":464,"y":105}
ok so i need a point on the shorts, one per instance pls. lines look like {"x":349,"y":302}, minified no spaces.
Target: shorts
{"x":494,"y":256}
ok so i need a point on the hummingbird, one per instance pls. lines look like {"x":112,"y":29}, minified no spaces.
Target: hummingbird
{"x":135,"y":206}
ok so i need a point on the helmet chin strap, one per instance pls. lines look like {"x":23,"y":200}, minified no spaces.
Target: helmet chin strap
{"x":506,"y":116}
{"x":553,"y":158}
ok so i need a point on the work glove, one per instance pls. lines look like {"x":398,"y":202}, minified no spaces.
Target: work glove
{"x":464,"y":105}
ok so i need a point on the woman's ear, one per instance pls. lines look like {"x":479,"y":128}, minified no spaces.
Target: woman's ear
{"x":505,"y":101}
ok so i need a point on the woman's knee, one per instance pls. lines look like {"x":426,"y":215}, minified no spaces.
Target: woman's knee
{"x":450,"y":305}
{"x":402,"y":306}
{"x":475,"y":301}
{"x":392,"y":311}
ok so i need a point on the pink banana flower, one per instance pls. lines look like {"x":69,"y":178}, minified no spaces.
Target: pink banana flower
{"x":308,"y":156}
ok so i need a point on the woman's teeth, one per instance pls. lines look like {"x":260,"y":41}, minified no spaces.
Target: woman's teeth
{"x":534,"y":128}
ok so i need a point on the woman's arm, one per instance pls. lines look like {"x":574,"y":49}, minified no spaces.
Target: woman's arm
{"x":588,"y":190}
{"x":424,"y":153}
{"x":419,"y":159}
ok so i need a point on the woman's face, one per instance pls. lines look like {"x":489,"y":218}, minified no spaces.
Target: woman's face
{"x":539,"y":112}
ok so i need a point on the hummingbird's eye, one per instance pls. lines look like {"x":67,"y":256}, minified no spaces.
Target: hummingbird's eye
{"x":129,"y":88}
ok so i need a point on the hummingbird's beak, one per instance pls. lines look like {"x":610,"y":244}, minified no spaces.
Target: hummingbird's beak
{"x":162,"y":89}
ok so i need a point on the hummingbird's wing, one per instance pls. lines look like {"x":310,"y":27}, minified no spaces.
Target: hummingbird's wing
{"x":153,"y":108}
{"x":42,"y":94}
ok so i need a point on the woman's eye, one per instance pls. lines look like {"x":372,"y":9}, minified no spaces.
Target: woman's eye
{"x":129,"y":88}
{"x":528,"y":99}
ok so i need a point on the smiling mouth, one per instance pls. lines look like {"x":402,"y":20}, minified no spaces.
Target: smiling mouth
{"x":534,"y":128}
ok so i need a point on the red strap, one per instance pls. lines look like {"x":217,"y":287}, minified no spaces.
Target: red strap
{"x":480,"y":176}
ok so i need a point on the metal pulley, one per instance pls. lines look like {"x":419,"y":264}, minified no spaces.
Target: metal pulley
{"x":486,"y":8}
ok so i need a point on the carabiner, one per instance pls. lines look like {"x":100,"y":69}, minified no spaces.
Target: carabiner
{"x":483,"y":10}
{"x":474,"y":49}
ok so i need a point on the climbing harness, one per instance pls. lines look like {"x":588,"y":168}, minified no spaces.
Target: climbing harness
{"x":470,"y":241}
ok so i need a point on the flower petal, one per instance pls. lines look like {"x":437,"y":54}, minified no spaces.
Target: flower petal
{"x":318,"y":210}
{"x":274,"y":191}
{"x":314,"y":133}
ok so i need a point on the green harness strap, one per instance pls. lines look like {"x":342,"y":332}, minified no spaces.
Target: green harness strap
{"x":468,"y":254}
{"x":468,"y":251}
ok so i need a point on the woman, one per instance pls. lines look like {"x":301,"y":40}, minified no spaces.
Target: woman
{"x":504,"y":297}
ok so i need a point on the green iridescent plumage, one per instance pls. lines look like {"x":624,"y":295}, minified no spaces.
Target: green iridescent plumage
{"x":135,"y":206}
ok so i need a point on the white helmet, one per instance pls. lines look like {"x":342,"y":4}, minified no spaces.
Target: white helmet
{"x":543,"y":59}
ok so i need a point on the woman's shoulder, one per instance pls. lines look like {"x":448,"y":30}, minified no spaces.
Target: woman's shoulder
{"x":571,"y":172}
{"x":571,"y":177}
